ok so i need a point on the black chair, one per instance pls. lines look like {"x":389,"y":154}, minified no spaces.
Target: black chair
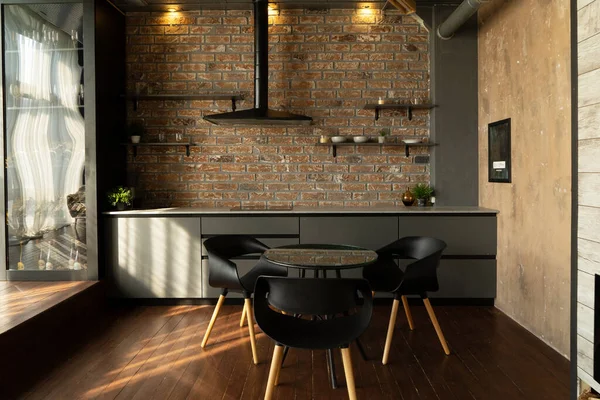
{"x":223,"y":273}
{"x":419,"y":278}
{"x":320,"y":298}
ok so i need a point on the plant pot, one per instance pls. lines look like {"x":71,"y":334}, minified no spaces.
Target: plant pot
{"x":135,"y":139}
{"x":381,"y":139}
{"x":421,"y":202}
{"x":120,"y":206}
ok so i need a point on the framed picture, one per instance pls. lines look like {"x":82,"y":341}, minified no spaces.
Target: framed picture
{"x":499,"y":151}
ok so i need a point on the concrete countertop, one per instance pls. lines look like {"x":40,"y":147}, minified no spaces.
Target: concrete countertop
{"x":176,"y":211}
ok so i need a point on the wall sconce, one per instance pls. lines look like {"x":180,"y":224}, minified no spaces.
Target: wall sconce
{"x":365,"y":9}
{"x":273,"y":9}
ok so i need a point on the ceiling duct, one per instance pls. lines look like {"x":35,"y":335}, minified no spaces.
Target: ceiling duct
{"x":260,"y":114}
{"x":463,"y":12}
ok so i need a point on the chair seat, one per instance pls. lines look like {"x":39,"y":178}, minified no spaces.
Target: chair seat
{"x":383,"y":275}
{"x":262,"y":267}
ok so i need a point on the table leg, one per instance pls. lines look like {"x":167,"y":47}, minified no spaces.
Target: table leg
{"x":331,"y":368}
{"x":361,"y":350}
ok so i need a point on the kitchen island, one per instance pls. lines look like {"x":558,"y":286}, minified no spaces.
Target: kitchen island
{"x":158,"y":253}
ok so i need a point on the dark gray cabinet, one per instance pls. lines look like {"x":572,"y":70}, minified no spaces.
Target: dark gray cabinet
{"x":163,"y":257}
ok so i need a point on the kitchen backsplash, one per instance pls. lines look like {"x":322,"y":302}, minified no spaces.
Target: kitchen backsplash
{"x":325,"y":63}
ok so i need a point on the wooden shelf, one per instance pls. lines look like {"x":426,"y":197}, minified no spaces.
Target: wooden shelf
{"x":396,"y":106}
{"x":136,"y":145}
{"x":406,"y":145}
{"x":214,"y":96}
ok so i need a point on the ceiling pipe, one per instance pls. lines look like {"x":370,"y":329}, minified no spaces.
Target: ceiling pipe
{"x":463,"y":12}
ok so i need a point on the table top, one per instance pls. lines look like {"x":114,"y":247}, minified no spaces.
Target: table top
{"x":320,"y":256}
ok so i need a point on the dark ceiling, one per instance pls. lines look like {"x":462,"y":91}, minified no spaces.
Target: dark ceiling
{"x":189,"y":5}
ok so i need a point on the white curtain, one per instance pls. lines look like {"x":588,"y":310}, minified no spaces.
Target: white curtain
{"x":45,"y":130}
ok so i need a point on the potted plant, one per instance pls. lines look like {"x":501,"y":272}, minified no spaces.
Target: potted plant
{"x":135,"y":130}
{"x":422,"y":192}
{"x":382,"y":134}
{"x":120,"y":197}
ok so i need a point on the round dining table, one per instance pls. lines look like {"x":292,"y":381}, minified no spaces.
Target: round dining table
{"x":321,"y":258}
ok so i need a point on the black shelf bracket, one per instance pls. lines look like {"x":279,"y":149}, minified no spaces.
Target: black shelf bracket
{"x":232,"y":109}
{"x":376,"y":114}
{"x":406,"y":151}
{"x":409,"y":112}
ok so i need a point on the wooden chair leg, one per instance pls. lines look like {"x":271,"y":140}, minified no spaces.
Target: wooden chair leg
{"x":250,"y":318}
{"x":347,"y":360}
{"x":243,"y":317}
{"x":436,"y":325}
{"x":274,"y":371}
{"x":212,"y":320}
{"x":411,"y":325}
{"x":390,"y":332}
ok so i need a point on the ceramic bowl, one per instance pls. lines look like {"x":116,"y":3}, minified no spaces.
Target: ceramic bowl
{"x":338,"y":139}
{"x":412,"y":141}
{"x":360,"y":139}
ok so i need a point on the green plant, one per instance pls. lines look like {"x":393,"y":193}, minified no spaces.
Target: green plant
{"x":422,"y":191}
{"x":121,"y":195}
{"x":135,"y":128}
{"x":384,"y":132}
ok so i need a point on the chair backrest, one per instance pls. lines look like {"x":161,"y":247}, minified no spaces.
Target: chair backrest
{"x":421,"y":275}
{"x":222,"y":272}
{"x":312,"y":297}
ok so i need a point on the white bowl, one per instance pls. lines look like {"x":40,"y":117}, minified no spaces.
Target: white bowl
{"x":412,"y":141}
{"x":360,"y":139}
{"x":338,"y":139}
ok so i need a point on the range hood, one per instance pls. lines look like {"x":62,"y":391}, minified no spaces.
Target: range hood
{"x":260,"y":114}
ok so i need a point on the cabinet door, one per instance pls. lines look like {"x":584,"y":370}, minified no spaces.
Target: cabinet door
{"x":368,"y":232}
{"x":464,"y":235}
{"x":156,"y":257}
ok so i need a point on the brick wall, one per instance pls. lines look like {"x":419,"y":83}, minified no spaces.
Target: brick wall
{"x":323,"y":63}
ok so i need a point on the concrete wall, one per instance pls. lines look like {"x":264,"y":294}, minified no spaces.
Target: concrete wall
{"x":524,"y":74}
{"x":588,"y":234}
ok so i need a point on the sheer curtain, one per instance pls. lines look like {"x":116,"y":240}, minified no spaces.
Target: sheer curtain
{"x":45,"y":129}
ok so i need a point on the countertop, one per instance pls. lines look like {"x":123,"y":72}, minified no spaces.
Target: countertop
{"x":176,"y":211}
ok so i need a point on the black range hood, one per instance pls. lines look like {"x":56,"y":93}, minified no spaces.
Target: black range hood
{"x":260,"y":114}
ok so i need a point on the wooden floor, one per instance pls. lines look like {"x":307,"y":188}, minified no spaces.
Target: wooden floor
{"x":21,"y":301}
{"x":154,"y":353}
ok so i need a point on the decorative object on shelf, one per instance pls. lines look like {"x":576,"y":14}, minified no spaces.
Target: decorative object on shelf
{"x":135,"y":131}
{"x":360,"y":139}
{"x":71,"y":260}
{"x":408,"y":199}
{"x":20,"y":265}
{"x":432,"y":200}
{"x":411,"y":141}
{"x":338,"y":139}
{"x":324,"y":139}
{"x":380,"y":100}
{"x":499,"y":153}
{"x":120,"y":197}
{"x":382,"y":134}
{"x":422,"y":192}
{"x":49,"y":265}
{"x":76,"y":264}
{"x":179,"y":137}
{"x":41,"y":262}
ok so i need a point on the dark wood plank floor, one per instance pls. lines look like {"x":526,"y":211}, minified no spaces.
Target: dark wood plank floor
{"x":154,"y":353}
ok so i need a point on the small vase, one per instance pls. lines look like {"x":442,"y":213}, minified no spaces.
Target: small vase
{"x":421,"y":202}
{"x":120,"y":206}
{"x":135,"y":139}
{"x":381,"y":139}
{"x":408,"y":198}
